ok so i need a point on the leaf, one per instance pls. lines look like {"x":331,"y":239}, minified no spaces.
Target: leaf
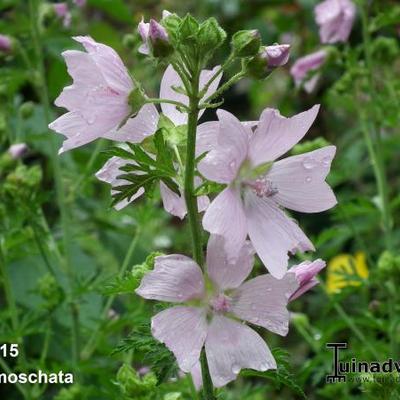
{"x":391,"y":16}
{"x":160,"y":360}
{"x":281,"y":376}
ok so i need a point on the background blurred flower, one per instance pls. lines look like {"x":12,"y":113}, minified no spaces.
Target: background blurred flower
{"x":17,"y":150}
{"x":304,"y":65}
{"x":5,"y":43}
{"x":62,"y":11}
{"x":346,"y":270}
{"x":335,"y":19}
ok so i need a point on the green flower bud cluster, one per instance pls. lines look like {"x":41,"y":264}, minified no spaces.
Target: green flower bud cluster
{"x":203,"y":38}
{"x":51,"y":292}
{"x":134,"y":387}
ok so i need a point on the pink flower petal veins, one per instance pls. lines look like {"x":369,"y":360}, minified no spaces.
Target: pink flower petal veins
{"x":232,"y":346}
{"x":300,"y":181}
{"x":263,"y":301}
{"x":225,"y":217}
{"x":272,"y":233}
{"x":224,"y":273}
{"x":183,"y":330}
{"x":175,"y":279}
{"x":275,"y":135}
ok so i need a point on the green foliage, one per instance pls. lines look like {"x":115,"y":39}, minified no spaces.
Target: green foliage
{"x":159,"y":359}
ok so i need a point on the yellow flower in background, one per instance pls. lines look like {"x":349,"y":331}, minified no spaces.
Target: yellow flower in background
{"x":341,"y":269}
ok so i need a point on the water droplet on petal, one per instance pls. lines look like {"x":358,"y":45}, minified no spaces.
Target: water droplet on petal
{"x":326,"y":161}
{"x":235,"y":368}
{"x":263,"y":366}
{"x":308,"y":179}
{"x":309,"y":163}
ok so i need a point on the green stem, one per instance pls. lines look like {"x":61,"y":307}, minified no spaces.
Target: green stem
{"x":94,"y":339}
{"x":235,"y":78}
{"x":375,"y":149}
{"x":193,"y":213}
{"x":219,"y":71}
{"x":65,"y":220}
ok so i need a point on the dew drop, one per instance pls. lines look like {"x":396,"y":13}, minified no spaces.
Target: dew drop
{"x":308,"y":179}
{"x":326,"y":161}
{"x":263,"y":366}
{"x":235,"y":368}
{"x":309,"y":163}
{"x":232,"y":164}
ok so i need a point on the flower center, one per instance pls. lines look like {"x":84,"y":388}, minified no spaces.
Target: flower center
{"x":263,"y":187}
{"x":220,"y":303}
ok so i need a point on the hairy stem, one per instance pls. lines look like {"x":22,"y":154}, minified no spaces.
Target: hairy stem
{"x":192,"y":210}
{"x":65,"y":220}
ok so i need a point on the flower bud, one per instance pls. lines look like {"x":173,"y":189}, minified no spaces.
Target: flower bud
{"x":5,"y":43}
{"x":210,"y":35}
{"x":246,"y":43}
{"x":159,"y":40}
{"x":18,"y":150}
{"x":306,"y":276}
{"x":278,"y":55}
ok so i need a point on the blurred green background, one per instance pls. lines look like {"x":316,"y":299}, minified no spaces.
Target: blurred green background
{"x":358,"y":300}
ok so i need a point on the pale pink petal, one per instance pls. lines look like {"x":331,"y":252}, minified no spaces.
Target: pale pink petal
{"x":175,"y":278}
{"x":82,"y":69}
{"x":231,"y":346}
{"x":273,"y":234}
{"x":275,"y":134}
{"x":171,"y":79}
{"x":206,"y":137}
{"x":172,"y":202}
{"x":138,"y":128}
{"x":183,"y":330}
{"x":223,"y":162}
{"x":263,"y":301}
{"x":109,"y":64}
{"x":224,"y":273}
{"x":305,"y":274}
{"x":196,"y":376}
{"x":225,"y":217}
{"x":300,"y":181}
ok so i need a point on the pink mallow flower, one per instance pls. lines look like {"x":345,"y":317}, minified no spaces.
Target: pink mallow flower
{"x":258,"y":185}
{"x":5,"y":43}
{"x":335,"y":19}
{"x":173,"y":203}
{"x":97,"y":100}
{"x":304,"y":65}
{"x":211,"y":317}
